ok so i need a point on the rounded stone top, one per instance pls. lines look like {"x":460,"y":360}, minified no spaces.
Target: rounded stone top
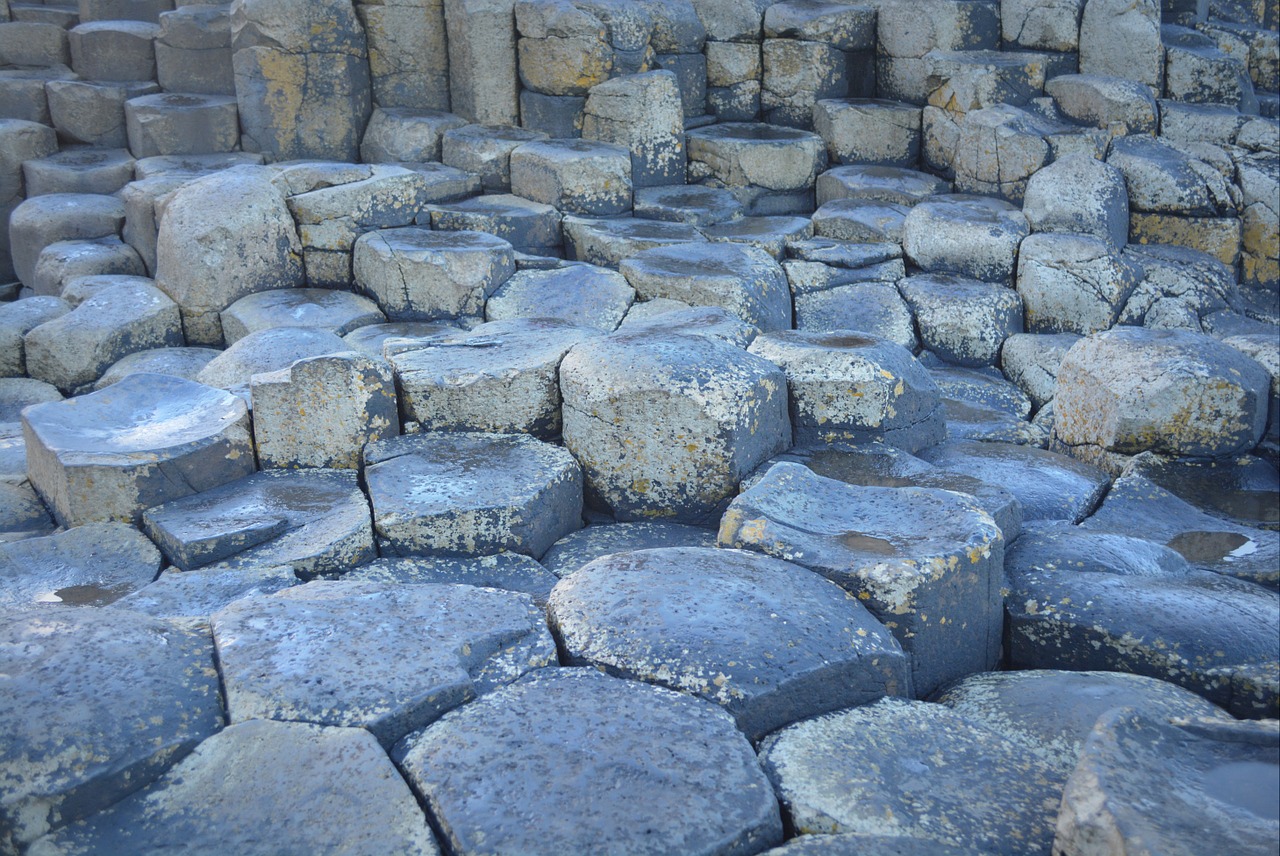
{"x":143,"y":412}
{"x":417,"y":238}
{"x":752,"y":132}
{"x":495,"y":132}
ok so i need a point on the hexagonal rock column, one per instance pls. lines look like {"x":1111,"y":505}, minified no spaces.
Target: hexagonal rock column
{"x":408,"y":58}
{"x":221,"y":237}
{"x":770,"y":169}
{"x":848,"y":386}
{"x":240,"y":792}
{"x":642,"y":113}
{"x":667,"y":425}
{"x":1074,"y":283}
{"x":927,"y":563}
{"x":576,"y":176}
{"x":97,"y":702}
{"x":302,"y":78}
{"x":850,"y":771}
{"x":454,"y":643}
{"x":267,"y":351}
{"x":418,"y":275}
{"x":43,"y":220}
{"x":578,"y":548}
{"x":340,"y":312}
{"x":513,"y":572}
{"x":973,"y":236}
{"x":91,"y":565}
{"x":531,"y":768}
{"x":743,"y":279}
{"x":1131,"y":390}
{"x":471,"y":494}
{"x":769,"y":641}
{"x":322,"y":411}
{"x":146,"y":440}
{"x":579,"y":294}
{"x":963,"y":321}
{"x":500,"y":377}
{"x":485,"y":150}
{"x":314,"y":521}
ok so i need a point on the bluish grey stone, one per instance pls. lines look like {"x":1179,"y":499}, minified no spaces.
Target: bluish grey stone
{"x":267,"y":351}
{"x":485,"y":150}
{"x":507,"y":571}
{"x":530,"y":227}
{"x":608,"y":242}
{"x":672,"y":316}
{"x":91,"y":565}
{"x":471,"y":494}
{"x":97,"y":704}
{"x":769,"y":641}
{"x":694,"y":204}
{"x":530,"y":768}
{"x":972,"y":236}
{"x":773,"y":234}
{"x":578,"y":548}
{"x":927,"y":563}
{"x":200,"y":593}
{"x":963,"y":321}
{"x":891,"y":184}
{"x":1241,"y":489}
{"x":178,"y":362}
{"x":579,"y":294}
{"x":22,"y":514}
{"x":339,"y":312}
{"x":329,"y":643}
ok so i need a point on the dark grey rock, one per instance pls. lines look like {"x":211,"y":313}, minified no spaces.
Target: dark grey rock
{"x":16,"y":319}
{"x":507,"y":571}
{"x":91,"y":565}
{"x":530,"y":227}
{"x":1242,"y":490}
{"x":1148,"y":782}
{"x":973,"y":236}
{"x":485,"y":150}
{"x":1073,"y":283}
{"x":578,"y":548}
{"x":531,"y":768}
{"x":694,"y":204}
{"x":43,"y":220}
{"x":915,"y":769}
{"x":264,"y":351}
{"x":874,"y":308}
{"x":774,"y":235}
{"x":927,"y":563}
{"x":1177,"y":283}
{"x":87,"y":169}
{"x":750,"y":154}
{"x":200,"y":593}
{"x":338,"y":312}
{"x":860,"y":221}
{"x":579,"y":294}
{"x":1049,"y":486}
{"x":769,"y":641}
{"x":17,"y":393}
{"x":315,"y":521}
{"x":895,"y":185}
{"x":1031,"y":362}
{"x":148,"y":439}
{"x":858,"y":844}
{"x":61,"y":262}
{"x":22,"y":514}
{"x":470,"y":494}
{"x":663,"y":316}
{"x":97,"y":704}
{"x":371,"y":337}
{"x":578,"y":176}
{"x":329,"y":642}
{"x":241,"y":790}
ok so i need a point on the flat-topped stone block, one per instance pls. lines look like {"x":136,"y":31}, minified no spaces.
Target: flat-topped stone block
{"x":576,"y":176}
{"x":398,"y":134}
{"x":897,"y":185}
{"x":805,"y":646}
{"x":512,"y":572}
{"x":418,"y":275}
{"x":869,"y":131}
{"x":577,"y":549}
{"x":457,"y":642}
{"x":62,"y":261}
{"x":642,"y":113}
{"x":485,"y":150}
{"x":266,"y":351}
{"x":694,"y":204}
{"x":854,"y":387}
{"x":148,"y":439}
{"x":927,"y":563}
{"x":963,"y":321}
{"x":743,"y":154}
{"x":80,"y":169}
{"x":773,"y":234}
{"x":181,"y":123}
{"x":92,"y":112}
{"x":16,"y":319}
{"x":193,"y":50}
{"x":91,"y":565}
{"x":530,"y":227}
{"x":114,"y":50}
{"x":338,"y":312}
{"x":198,"y":594}
{"x":608,"y":242}
{"x":471,"y":494}
{"x":579,"y":294}
{"x":973,"y":236}
{"x":179,"y":362}
{"x":1072,"y":283}
{"x":133,"y":692}
{"x":696,"y":782}
{"x":666,"y":425}
{"x":43,"y":220}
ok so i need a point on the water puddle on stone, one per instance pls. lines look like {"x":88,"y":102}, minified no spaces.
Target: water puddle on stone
{"x":1251,"y":785}
{"x":1209,"y":547}
{"x":868,"y":544}
{"x":86,"y":595}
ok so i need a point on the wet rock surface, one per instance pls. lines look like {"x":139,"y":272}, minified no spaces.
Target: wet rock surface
{"x":434,"y":342}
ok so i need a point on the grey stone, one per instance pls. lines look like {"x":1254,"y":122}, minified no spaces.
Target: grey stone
{"x":964,"y":81}
{"x":314,"y":521}
{"x":896,"y":185}
{"x":122,"y":10}
{"x":1205,"y":778}
{"x":999,"y":148}
{"x":397,"y":134}
{"x":578,"y":176}
{"x":927,"y":563}
{"x":92,"y":112}
{"x":1072,"y":283}
{"x":690,"y":70}
{"x":22,"y":514}
{"x":774,"y":235}
{"x":696,"y":786}
{"x":1177,"y":281}
{"x":869,"y":131}
{"x":486,"y":151}
{"x":963,"y":321}
{"x":408,"y":59}
{"x":16,"y":319}
{"x":738,"y":155}
{"x":63,"y":261}
{"x":979,"y":386}
{"x":695,"y":205}
{"x":322,"y":411}
{"x":870,"y":308}
{"x":1049,"y":486}
{"x":1237,"y":489}
{"x":1162,"y":179}
{"x":577,"y":549}
{"x":113,"y":50}
{"x":72,"y":351}
{"x":34,"y":43}
{"x":266,"y":351}
{"x":1115,"y":103}
{"x":552,"y":116}
{"x":1093,"y":605}
{"x":842,"y":772}
{"x":181,"y":124}
{"x":16,"y":393}
{"x":150,"y":438}
{"x":608,"y":242}
{"x":1197,"y":71}
{"x":845,"y":386}
{"x":1122,"y":39}
{"x":530,"y":227}
{"x":22,"y":95}
{"x":663,"y":316}
{"x":878,"y":464}
{"x":860,"y":221}
{"x":512,"y":572}
{"x":666,"y":425}
{"x":178,"y":362}
{"x":1031,"y":361}
{"x":239,"y":790}
{"x":418,"y":275}
{"x":742,"y":279}
{"x":582,"y":295}
{"x":797,"y":74}
{"x":803,"y":646}
{"x":222,"y":237}
{"x":370,"y":338}
{"x":457,"y":642}
{"x":500,"y":377}
{"x":78,"y":169}
{"x":200,"y":593}
{"x":338,"y":312}
{"x":1080,"y":194}
{"x":193,"y":50}
{"x":642,"y":113}
{"x":970,"y":236}
{"x":906,"y":31}
{"x":302,"y":78}
{"x":91,"y":565}
{"x":36,"y":223}
{"x":858,"y":844}
{"x":1046,"y":25}
{"x":471,"y":494}
{"x":483,"y":78}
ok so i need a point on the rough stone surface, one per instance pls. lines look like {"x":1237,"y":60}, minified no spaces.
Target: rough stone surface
{"x":514,"y":572}
{"x":963,"y":321}
{"x":582,"y":295}
{"x":91,"y":565}
{"x":576,"y":549}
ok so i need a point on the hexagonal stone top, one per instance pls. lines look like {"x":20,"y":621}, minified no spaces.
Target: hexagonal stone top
{"x":264,"y":788}
{"x":471,"y":494}
{"x":95,"y":704}
{"x":574,"y":761}
{"x":91,"y":565}
{"x":753,"y":153}
{"x":770,"y":641}
{"x":327,"y":644}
